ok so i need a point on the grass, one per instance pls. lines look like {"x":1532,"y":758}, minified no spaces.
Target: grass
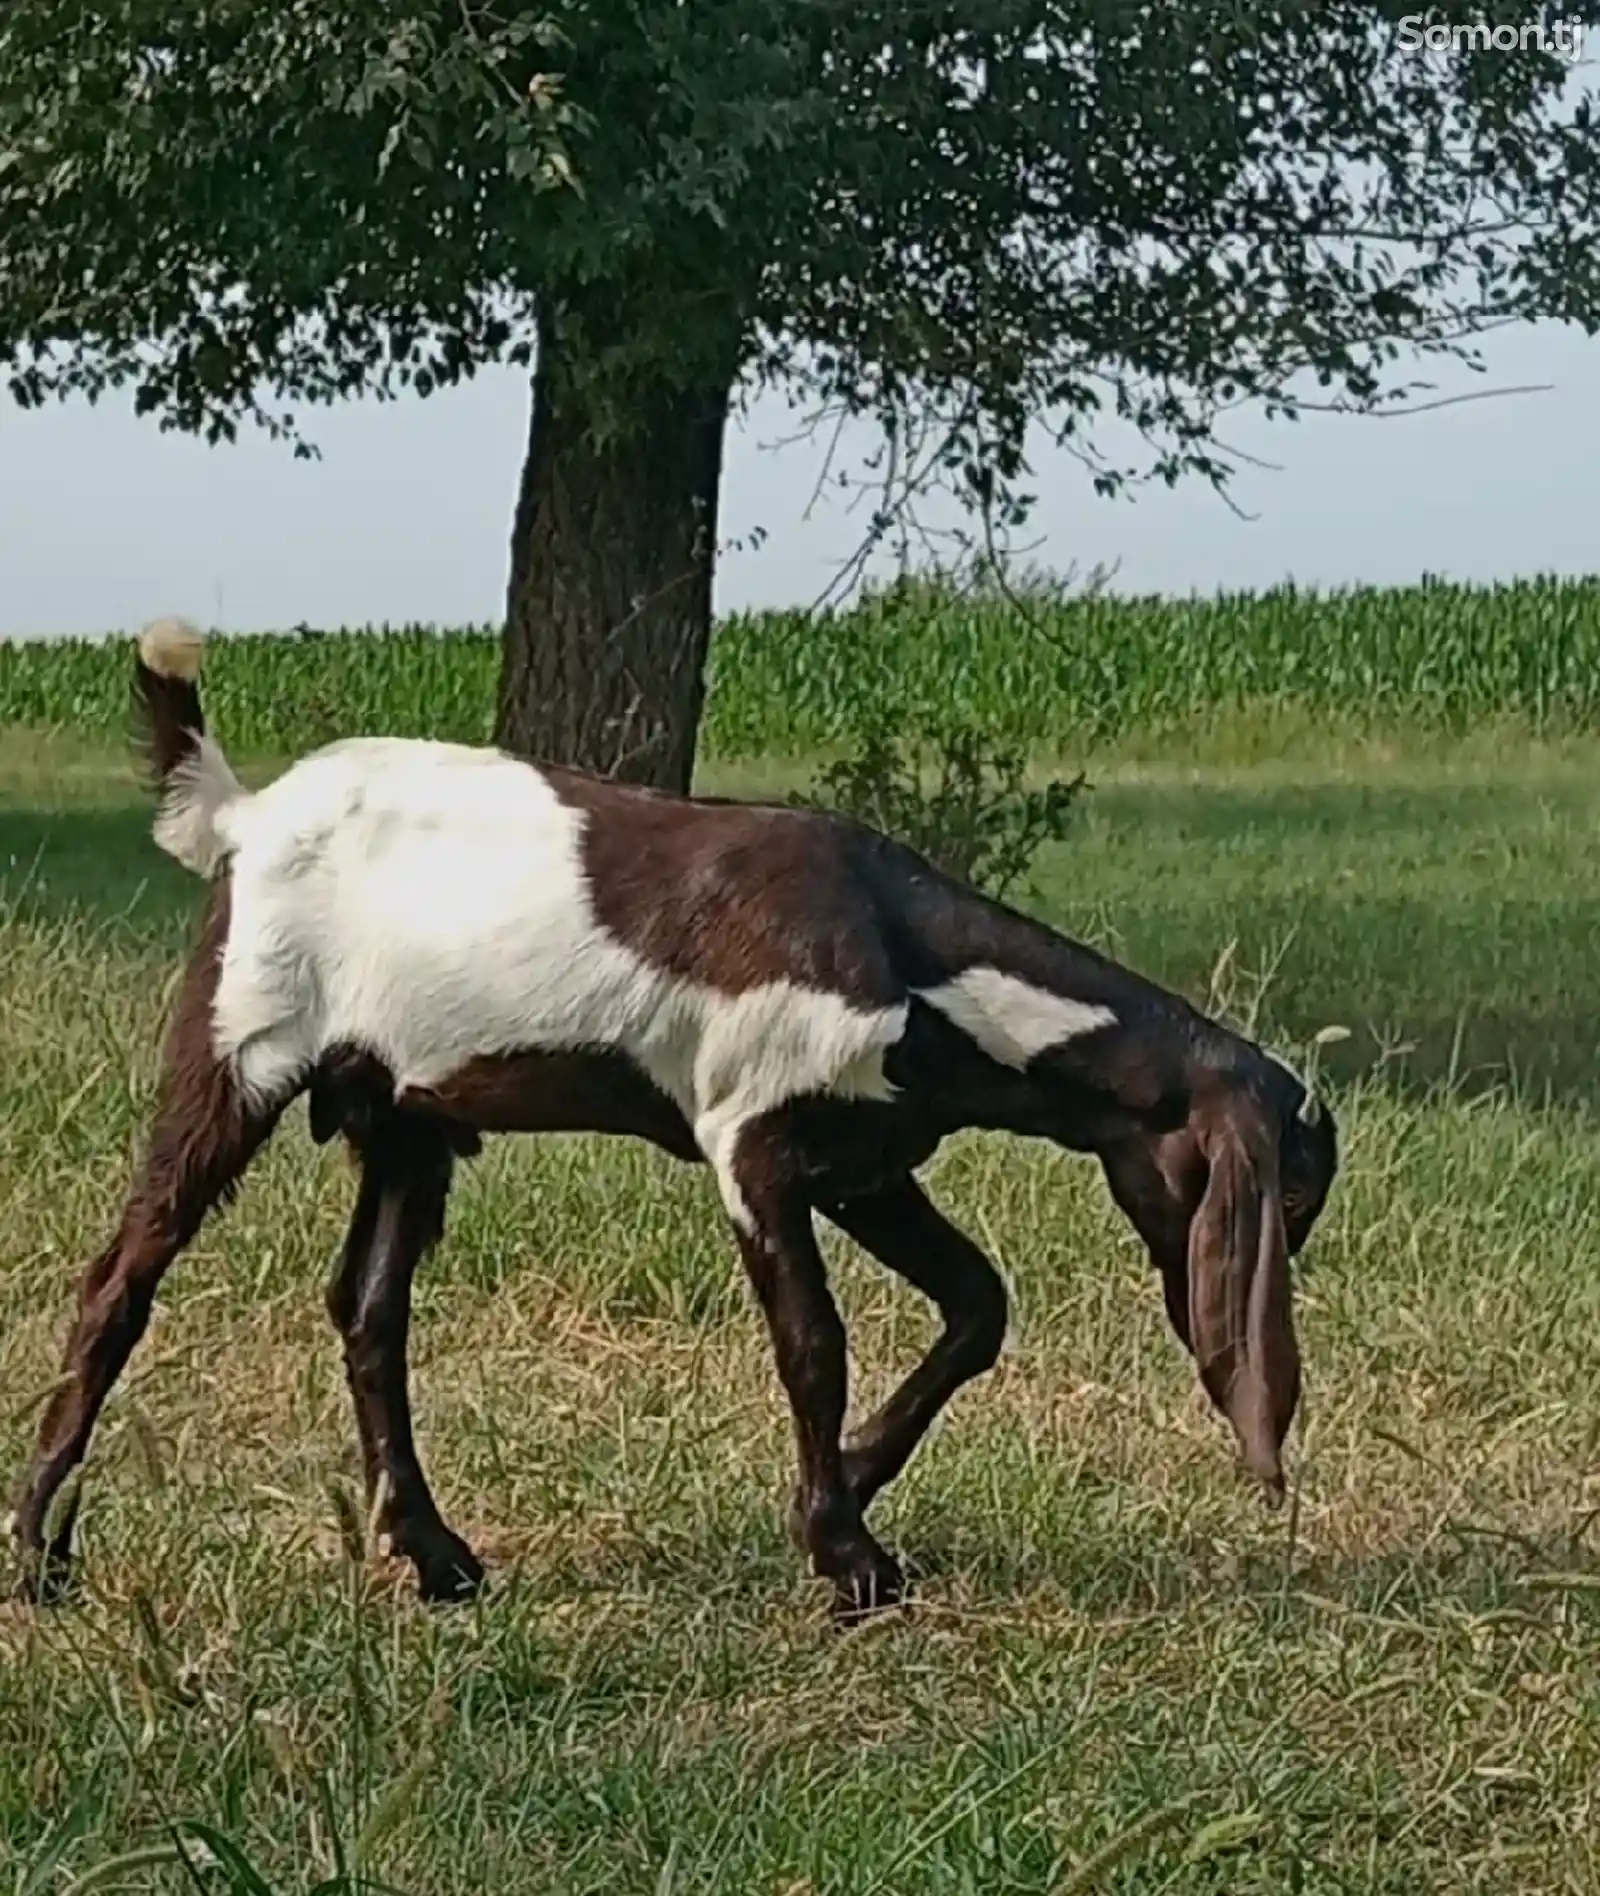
{"x":1060,"y":676}
{"x":1123,"y":1677}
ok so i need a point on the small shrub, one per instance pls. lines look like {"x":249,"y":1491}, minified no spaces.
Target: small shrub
{"x":952,"y":793}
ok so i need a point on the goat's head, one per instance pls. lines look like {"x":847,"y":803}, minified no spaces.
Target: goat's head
{"x":1264,"y":1159}
{"x":1223,"y":1201}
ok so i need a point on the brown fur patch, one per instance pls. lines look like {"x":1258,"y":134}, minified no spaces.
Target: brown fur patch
{"x":733,"y":895}
{"x":168,"y":718}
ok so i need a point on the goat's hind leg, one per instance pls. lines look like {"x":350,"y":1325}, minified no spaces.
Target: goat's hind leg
{"x":902,"y":1229}
{"x":406,"y":1164}
{"x":203,"y":1137}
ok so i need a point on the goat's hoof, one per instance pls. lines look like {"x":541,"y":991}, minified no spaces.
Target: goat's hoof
{"x":449,"y":1575}
{"x":870,"y":1583}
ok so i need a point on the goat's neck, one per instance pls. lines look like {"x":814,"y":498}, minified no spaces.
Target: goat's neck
{"x":1050,"y":1038}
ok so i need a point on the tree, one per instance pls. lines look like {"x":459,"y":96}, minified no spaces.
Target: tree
{"x":963,"y":214}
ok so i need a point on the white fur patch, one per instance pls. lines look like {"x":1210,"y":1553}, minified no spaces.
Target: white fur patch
{"x":173,"y":648}
{"x":1012,"y":1020}
{"x":755,"y":1050}
{"x":427,"y":902}
{"x":196,"y":799}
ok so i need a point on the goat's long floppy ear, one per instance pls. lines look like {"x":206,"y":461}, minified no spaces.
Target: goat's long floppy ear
{"x":1239,"y":1291}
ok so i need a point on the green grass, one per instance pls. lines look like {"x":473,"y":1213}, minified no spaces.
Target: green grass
{"x":1393,"y":1687}
{"x":1056,"y":677}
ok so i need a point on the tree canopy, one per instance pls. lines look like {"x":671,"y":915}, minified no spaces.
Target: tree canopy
{"x":987,"y":211}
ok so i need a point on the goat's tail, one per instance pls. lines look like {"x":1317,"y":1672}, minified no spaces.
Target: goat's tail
{"x":195,"y":784}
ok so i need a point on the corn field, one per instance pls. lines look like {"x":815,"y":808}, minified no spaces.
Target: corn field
{"x":1050,"y":675}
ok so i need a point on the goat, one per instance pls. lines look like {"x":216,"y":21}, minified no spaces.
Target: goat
{"x":434,"y":942}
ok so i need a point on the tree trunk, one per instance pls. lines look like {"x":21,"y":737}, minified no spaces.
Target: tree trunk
{"x":608,"y":614}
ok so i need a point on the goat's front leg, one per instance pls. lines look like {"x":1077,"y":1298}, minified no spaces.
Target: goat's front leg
{"x":773,"y":1221}
{"x":399,"y":1215}
{"x":903,"y":1230}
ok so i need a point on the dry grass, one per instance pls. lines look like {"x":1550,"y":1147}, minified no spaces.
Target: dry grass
{"x":1391,"y":1687}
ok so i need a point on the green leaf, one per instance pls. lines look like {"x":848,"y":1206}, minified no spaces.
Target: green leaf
{"x":1225,"y":1834}
{"x":243,"y":1878}
{"x":1091,"y":1873}
{"x":53,"y":1852}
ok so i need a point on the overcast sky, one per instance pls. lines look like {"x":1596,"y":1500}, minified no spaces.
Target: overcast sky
{"x":105,"y":521}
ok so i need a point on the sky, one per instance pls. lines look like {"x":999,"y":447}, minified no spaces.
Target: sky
{"x":105,"y":521}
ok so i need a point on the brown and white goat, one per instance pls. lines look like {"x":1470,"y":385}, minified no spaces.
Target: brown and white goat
{"x":434,"y":942}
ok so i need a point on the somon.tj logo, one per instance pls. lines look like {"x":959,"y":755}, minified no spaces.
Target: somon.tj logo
{"x":1422,"y":32}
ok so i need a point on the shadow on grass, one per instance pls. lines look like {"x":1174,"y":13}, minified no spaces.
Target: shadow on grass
{"x":1539,"y":1059}
{"x":97,"y":864}
{"x":1459,"y":1578}
{"x":1468,"y":1570}
{"x":1448,"y":927}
